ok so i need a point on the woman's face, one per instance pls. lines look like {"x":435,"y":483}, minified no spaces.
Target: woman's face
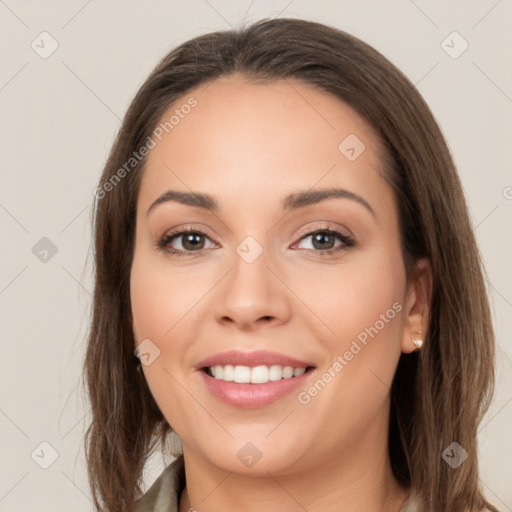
{"x":277,"y":272}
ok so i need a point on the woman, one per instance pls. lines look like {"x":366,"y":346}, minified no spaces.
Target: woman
{"x":282,"y":239}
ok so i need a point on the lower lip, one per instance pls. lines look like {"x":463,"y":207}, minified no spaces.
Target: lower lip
{"x":252,"y":395}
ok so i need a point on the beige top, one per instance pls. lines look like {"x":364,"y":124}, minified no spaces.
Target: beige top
{"x":163,"y":495}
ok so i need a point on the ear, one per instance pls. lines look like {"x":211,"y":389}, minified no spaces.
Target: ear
{"x":417,"y":305}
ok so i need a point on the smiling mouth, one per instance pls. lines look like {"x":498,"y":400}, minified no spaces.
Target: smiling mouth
{"x":254,"y":374}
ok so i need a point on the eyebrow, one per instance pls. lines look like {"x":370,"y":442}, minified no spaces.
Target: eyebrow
{"x":291,"y":202}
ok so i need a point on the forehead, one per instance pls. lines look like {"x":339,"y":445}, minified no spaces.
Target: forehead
{"x":255,"y":140}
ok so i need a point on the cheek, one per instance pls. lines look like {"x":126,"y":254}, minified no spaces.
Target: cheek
{"x":354,"y":299}
{"x":159,"y":308}
{"x":364,"y":312}
{"x":162,"y":298}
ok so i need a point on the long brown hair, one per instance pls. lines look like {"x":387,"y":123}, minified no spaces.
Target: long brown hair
{"x":438,"y":395}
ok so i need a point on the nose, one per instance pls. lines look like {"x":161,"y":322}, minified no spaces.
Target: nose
{"x":252,"y":294}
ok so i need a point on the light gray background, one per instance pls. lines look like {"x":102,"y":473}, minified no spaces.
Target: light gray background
{"x":59,"y":116}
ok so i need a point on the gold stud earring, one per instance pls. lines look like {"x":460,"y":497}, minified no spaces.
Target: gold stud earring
{"x":418,"y":342}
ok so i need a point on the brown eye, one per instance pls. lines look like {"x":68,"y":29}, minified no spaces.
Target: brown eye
{"x":191,"y":241}
{"x":323,"y":241}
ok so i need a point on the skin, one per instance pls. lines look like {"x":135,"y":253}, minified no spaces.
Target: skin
{"x":249,"y":145}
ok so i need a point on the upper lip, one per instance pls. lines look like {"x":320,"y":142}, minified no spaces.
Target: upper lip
{"x":255,"y":358}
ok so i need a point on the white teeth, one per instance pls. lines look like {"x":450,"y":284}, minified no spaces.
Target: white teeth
{"x":287,"y":372}
{"x":218,"y":372}
{"x":255,"y":375}
{"x":298,"y":372}
{"x":275,"y":372}
{"x":259,"y":375}
{"x":228,"y":373}
{"x":242,"y":374}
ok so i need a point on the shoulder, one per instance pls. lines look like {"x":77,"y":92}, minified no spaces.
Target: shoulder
{"x":163,"y":495}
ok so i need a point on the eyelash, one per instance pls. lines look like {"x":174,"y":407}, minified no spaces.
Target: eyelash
{"x":164,"y":242}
